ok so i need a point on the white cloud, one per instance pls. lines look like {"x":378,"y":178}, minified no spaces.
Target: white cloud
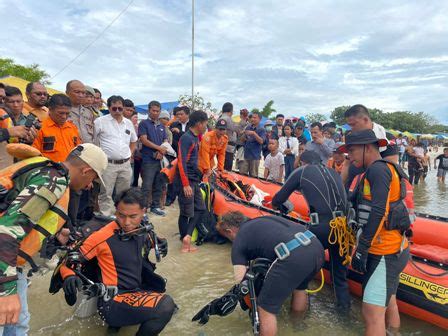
{"x":308,"y":56}
{"x":337,"y":48}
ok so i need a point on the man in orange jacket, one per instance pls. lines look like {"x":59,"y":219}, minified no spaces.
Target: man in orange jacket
{"x":213,"y":144}
{"x":58,"y":136}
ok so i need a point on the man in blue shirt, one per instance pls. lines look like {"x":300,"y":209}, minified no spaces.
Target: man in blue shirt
{"x":152,"y":135}
{"x":253,"y":138}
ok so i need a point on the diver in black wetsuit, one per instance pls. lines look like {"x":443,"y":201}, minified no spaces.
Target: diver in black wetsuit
{"x":323,"y":189}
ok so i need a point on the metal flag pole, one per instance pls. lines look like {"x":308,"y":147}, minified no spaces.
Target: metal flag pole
{"x":192,"y":55}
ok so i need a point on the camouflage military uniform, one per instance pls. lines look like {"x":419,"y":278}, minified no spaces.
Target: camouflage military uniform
{"x":33,"y":194}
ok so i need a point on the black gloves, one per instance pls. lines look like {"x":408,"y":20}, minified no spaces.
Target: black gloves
{"x":163,"y":246}
{"x":359,"y":259}
{"x":70,"y":287}
{"x":222,"y":306}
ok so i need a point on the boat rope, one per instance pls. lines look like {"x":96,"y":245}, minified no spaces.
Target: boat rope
{"x":418,"y":268}
{"x":322,"y":282}
{"x":344,"y":236}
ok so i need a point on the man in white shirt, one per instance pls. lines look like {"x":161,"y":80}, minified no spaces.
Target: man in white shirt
{"x":116,"y":136}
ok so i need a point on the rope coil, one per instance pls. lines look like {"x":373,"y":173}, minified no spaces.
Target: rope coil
{"x":343,"y":235}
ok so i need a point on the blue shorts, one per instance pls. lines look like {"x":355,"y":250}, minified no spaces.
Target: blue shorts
{"x":382,"y":277}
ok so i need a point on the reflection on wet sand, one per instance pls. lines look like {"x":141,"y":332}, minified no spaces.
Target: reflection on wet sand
{"x":194,"y":279}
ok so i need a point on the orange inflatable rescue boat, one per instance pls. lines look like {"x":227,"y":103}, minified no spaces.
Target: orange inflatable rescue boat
{"x":423,"y":289}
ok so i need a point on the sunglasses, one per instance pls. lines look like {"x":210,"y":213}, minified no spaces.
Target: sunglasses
{"x":116,"y":109}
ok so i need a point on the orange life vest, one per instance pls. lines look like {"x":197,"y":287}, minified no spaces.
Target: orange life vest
{"x":49,"y":224}
{"x":386,"y":240}
{"x":170,"y":171}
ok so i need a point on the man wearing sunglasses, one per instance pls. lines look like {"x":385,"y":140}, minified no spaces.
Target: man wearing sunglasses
{"x":37,"y":96}
{"x":116,"y":136}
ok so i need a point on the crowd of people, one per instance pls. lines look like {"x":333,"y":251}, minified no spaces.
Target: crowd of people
{"x":91,"y":156}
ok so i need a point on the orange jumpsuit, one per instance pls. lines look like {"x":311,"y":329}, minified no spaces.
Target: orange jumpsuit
{"x":41,"y":113}
{"x":209,"y":147}
{"x":56,"y":142}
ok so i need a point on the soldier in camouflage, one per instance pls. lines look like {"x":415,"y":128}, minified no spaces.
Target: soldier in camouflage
{"x":35,"y":193}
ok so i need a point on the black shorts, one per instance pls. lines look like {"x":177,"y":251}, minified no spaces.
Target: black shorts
{"x":137,"y":307}
{"x":187,"y":205}
{"x":383,"y":277}
{"x":292,"y":273}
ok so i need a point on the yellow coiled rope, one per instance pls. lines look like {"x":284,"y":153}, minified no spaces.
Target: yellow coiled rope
{"x":341,"y":234}
{"x":322,"y":281}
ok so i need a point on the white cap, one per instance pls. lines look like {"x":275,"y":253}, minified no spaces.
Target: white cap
{"x":94,"y":157}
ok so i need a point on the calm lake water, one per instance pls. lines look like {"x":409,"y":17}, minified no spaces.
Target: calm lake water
{"x":195,"y":279}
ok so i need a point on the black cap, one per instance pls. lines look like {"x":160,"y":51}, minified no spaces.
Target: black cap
{"x":363,"y":137}
{"x":221,"y":124}
{"x":310,"y":157}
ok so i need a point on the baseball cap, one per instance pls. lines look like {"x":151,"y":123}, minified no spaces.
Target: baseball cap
{"x":269,"y":123}
{"x":221,"y":124}
{"x":94,"y":157}
{"x":337,"y":147}
{"x":164,"y":115}
{"x":363,"y":137}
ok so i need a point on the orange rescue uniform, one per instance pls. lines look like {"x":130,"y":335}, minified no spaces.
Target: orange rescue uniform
{"x":209,"y":147}
{"x":40,"y":112}
{"x":56,"y":142}
{"x":384,"y":241}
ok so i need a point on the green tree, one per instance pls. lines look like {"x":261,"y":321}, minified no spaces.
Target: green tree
{"x":414,"y":122}
{"x":419,"y":122}
{"x":315,"y":117}
{"x":31,"y":73}
{"x":438,"y":128}
{"x":255,"y":110}
{"x":198,"y":103}
{"x":267,"y":109}
{"x":337,"y":115}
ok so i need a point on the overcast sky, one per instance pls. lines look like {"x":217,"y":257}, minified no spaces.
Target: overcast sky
{"x":308,"y":56}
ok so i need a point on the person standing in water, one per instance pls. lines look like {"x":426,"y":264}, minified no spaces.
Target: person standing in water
{"x":382,"y":250}
{"x":188,"y":177}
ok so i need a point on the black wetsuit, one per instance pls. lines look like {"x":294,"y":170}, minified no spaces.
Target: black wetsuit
{"x":323,"y":189}
{"x":257,"y":238}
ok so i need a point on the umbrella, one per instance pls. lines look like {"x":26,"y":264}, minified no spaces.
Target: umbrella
{"x":427,"y":136}
{"x":409,"y":135}
{"x":21,"y":84}
{"x":394,"y":132}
